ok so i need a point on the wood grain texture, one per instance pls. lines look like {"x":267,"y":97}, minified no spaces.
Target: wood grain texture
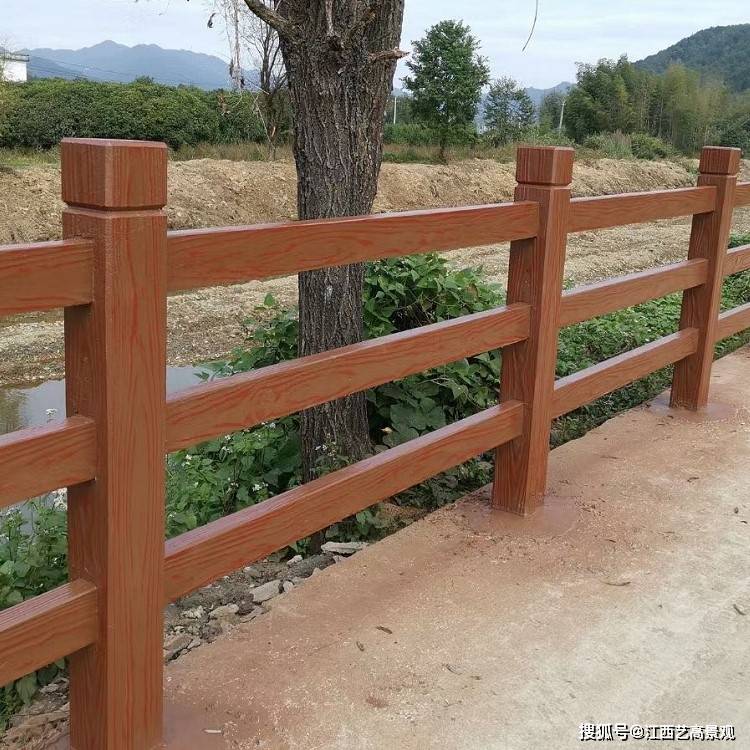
{"x":593,"y":300}
{"x":46,"y":628}
{"x":733,"y":321}
{"x":709,"y":238}
{"x":742,"y":196}
{"x":211,"y":257}
{"x":607,"y":211}
{"x":535,"y":277}
{"x":41,"y":459}
{"x":245,"y":400}
{"x":206,"y":553}
{"x":113,"y":174}
{"x":596,"y":381}
{"x":45,"y":275}
{"x":115,"y":361}
{"x":737,"y":260}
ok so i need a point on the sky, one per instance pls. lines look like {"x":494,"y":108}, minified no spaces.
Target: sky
{"x":568,"y":31}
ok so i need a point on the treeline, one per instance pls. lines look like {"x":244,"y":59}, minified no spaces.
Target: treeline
{"x":38,"y":114}
{"x":682,"y":107}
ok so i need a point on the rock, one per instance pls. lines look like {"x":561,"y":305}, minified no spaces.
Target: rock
{"x":194,"y":614}
{"x":343,"y":548}
{"x":212,"y":630}
{"x":175,"y":644}
{"x":287,"y":586}
{"x":296,"y":559}
{"x":265,"y":592}
{"x":256,"y":611}
{"x":225,"y":612}
{"x":245,"y":606}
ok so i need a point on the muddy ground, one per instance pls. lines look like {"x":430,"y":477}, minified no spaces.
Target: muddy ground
{"x":206,"y":324}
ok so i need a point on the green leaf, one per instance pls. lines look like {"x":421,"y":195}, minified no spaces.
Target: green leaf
{"x":26,"y":688}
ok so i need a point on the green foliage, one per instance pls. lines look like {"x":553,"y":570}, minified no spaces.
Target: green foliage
{"x":679,"y":106}
{"x":549,"y":111}
{"x":646,"y":146}
{"x":508,"y":111}
{"x":741,"y":238}
{"x":720,"y":51}
{"x":447,"y":76}
{"x":620,"y":146}
{"x":734,"y":128}
{"x":33,"y":559}
{"x":611,"y":145}
{"x":230,"y":473}
{"x":42,"y":112}
{"x":418,"y":134}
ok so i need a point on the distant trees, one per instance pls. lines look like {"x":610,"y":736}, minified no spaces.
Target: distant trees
{"x":508,"y":111}
{"x":38,"y":114}
{"x":680,"y":106}
{"x":550,"y":111}
{"x":249,"y":38}
{"x":447,"y":77}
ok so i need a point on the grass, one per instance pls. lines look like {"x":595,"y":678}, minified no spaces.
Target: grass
{"x":15,"y":158}
{"x":397,"y":153}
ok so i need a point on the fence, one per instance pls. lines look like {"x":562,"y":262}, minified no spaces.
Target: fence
{"x":112,"y":275}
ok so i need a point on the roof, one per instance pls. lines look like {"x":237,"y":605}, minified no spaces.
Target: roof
{"x":13,"y":56}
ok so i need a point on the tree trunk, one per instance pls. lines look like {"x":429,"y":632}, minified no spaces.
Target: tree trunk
{"x":339,"y":93}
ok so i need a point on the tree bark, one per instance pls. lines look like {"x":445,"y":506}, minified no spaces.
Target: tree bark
{"x":340,"y":59}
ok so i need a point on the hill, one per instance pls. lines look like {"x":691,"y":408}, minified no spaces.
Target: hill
{"x":537,"y":95}
{"x":109,"y":61}
{"x":721,"y":51}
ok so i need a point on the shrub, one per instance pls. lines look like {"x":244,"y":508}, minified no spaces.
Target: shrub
{"x":613,"y":145}
{"x":42,"y":112}
{"x":646,"y":146}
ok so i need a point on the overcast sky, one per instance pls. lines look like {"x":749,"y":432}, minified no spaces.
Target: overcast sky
{"x":567,"y":31}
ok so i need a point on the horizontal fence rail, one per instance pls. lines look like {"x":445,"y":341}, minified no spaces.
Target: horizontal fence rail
{"x":46,"y":628}
{"x":598,"y":380}
{"x":245,"y":400}
{"x":42,"y":459}
{"x":586,"y":302}
{"x":609,"y":211}
{"x":209,"y":257}
{"x":202,"y":555}
{"x":62,"y":276}
{"x":113,"y":284}
{"x":733,"y":321}
{"x":737,"y":260}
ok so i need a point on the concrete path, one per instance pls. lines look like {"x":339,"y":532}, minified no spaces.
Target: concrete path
{"x":626,"y":600}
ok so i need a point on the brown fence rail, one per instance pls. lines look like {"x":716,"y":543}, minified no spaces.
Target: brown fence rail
{"x":112,"y":274}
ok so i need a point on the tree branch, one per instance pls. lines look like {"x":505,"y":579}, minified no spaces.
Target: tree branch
{"x":387,"y":55}
{"x":277,"y":22}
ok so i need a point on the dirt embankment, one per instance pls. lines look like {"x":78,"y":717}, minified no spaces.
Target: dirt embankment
{"x":204,"y":193}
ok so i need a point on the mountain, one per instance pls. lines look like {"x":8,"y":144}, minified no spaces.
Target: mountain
{"x":720,"y":51}
{"x":536,"y":95}
{"x":109,"y":61}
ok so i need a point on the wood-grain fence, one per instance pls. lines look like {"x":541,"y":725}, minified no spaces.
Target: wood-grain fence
{"x":112,"y":274}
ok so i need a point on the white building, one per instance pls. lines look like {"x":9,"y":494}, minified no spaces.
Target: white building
{"x":13,"y":66}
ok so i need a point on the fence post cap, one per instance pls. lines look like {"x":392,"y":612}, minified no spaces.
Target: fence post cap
{"x":544,"y":165}
{"x":110,"y":174}
{"x":720,"y":160}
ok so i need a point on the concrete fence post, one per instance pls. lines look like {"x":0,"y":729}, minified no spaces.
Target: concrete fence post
{"x":535,"y":276}
{"x":115,"y":351}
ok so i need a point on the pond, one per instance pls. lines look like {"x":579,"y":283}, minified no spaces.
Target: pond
{"x":31,"y":406}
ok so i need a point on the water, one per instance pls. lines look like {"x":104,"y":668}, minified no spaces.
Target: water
{"x":39,"y":404}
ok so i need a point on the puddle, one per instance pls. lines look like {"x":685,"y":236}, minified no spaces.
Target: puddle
{"x":31,"y":406}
